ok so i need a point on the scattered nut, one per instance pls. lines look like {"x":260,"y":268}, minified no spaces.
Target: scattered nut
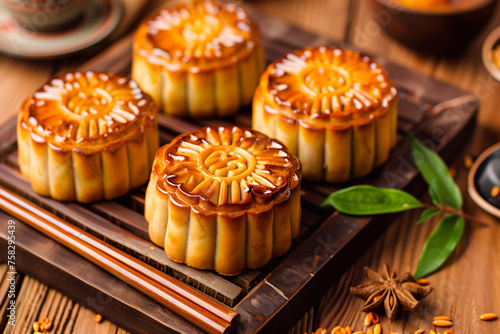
{"x":468,"y":161}
{"x":368,"y":319}
{"x":489,"y":316}
{"x":336,"y":330}
{"x":422,"y":281}
{"x":452,"y":171}
{"x":48,"y":325}
{"x":98,"y":318}
{"x":495,"y":191}
{"x":442,"y":323}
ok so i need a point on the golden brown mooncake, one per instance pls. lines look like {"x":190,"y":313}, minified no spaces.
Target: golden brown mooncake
{"x":87,"y":136}
{"x":224,"y":198}
{"x":336,"y":109}
{"x":199,"y":58}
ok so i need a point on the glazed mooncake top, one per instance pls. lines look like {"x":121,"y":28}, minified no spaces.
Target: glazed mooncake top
{"x":327,"y":85}
{"x":226,"y":169}
{"x":205,"y":34}
{"x":87,"y":110}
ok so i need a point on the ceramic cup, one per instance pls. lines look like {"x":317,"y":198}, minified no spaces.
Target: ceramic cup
{"x":44,"y":15}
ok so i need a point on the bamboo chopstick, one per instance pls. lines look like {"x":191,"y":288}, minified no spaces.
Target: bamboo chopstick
{"x":185,"y":301}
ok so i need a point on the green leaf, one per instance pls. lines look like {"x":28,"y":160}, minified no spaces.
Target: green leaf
{"x":440,"y":244}
{"x":427,"y":214}
{"x":442,"y":187}
{"x":368,"y":200}
{"x":436,"y":199}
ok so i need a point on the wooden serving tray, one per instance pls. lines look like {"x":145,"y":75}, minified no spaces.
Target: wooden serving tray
{"x":271,"y":299}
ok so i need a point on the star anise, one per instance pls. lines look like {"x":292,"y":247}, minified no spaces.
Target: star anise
{"x":389,"y":291}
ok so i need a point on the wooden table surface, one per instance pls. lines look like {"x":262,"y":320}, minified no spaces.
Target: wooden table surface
{"x":464,"y":289}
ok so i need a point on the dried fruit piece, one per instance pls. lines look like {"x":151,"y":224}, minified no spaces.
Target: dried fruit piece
{"x":489,"y":316}
{"x":442,"y":317}
{"x":375,"y":318}
{"x":449,"y":332}
{"x":442,"y":323}
{"x":432,"y":332}
{"x":321,"y":331}
{"x":36,"y":326}
{"x":419,"y":331}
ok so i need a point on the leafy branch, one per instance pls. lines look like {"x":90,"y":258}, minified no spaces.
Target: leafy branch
{"x":446,"y":199}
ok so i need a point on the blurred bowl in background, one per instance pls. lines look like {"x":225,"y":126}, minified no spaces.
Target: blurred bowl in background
{"x":44,"y":15}
{"x":483,"y":177}
{"x":439,"y":29}
{"x":491,"y":53}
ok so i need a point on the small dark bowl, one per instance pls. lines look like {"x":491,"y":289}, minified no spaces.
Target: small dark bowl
{"x":483,"y":176}
{"x":433,"y":31}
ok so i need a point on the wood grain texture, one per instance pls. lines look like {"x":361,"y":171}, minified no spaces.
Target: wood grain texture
{"x":464,"y":289}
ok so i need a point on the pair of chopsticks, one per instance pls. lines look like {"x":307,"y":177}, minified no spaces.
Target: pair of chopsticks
{"x":183,"y":300}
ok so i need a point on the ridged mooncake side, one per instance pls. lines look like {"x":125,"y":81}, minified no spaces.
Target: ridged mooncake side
{"x":87,"y":136}
{"x":199,"y":58}
{"x":224,"y":198}
{"x":334,"y":108}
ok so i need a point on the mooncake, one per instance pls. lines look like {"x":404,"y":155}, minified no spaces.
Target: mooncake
{"x":334,"y":108}
{"x":87,"y":136}
{"x":224,"y":198}
{"x":198,"y":58}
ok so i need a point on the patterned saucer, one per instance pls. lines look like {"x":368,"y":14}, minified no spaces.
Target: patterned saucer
{"x":98,"y":20}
